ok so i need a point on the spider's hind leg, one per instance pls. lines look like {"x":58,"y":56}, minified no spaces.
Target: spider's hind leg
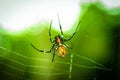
{"x":43,"y":50}
{"x":69,"y":46}
{"x":37,"y":48}
{"x":53,"y":57}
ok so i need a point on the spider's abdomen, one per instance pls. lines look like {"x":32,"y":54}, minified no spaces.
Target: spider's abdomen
{"x":61,"y":50}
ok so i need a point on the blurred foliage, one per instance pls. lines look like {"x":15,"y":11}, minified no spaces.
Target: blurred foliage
{"x":92,"y":48}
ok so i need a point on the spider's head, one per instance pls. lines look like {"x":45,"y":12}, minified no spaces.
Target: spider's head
{"x":58,"y":39}
{"x":58,"y":36}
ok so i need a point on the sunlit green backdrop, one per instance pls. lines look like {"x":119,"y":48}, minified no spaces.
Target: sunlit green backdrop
{"x":93,"y":51}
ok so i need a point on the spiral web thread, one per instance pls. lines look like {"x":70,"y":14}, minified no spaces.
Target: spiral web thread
{"x":70,"y":64}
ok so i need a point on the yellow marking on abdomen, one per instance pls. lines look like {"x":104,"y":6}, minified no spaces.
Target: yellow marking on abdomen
{"x":61,"y":51}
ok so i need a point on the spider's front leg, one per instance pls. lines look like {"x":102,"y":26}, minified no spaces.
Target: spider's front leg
{"x":73,"y":33}
{"x":52,"y":41}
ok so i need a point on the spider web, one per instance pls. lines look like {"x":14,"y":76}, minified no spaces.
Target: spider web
{"x":10,"y":66}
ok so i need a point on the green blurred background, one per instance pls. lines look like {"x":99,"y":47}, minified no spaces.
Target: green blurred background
{"x":96,"y":48}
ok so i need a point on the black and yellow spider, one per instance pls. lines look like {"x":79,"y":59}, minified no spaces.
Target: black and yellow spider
{"x":59,"y":47}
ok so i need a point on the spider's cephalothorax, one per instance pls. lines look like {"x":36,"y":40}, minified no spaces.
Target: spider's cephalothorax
{"x":59,"y":47}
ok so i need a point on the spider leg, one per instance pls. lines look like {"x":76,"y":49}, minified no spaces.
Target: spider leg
{"x":43,"y":50}
{"x":73,"y":33}
{"x":68,"y":46}
{"x":60,"y":25}
{"x":50,"y":32}
{"x":53,"y":56}
{"x":50,"y":49}
{"x":36,"y":48}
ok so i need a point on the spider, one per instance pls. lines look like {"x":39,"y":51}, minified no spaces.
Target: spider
{"x":59,"y":47}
